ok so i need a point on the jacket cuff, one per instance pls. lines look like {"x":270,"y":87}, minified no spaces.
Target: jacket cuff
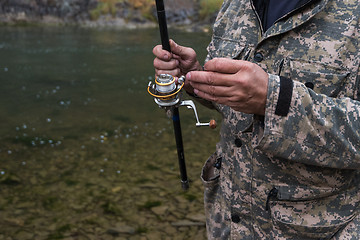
{"x":279,"y":97}
{"x":259,"y":129}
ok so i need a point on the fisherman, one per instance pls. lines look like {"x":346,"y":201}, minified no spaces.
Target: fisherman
{"x":285,"y":76}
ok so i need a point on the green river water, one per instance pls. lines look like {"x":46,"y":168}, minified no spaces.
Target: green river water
{"x":85,"y":153}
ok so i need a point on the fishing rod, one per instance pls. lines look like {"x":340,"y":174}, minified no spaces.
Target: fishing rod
{"x":167,"y":94}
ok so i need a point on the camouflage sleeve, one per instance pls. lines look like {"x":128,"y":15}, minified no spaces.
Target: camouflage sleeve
{"x":315,"y":129}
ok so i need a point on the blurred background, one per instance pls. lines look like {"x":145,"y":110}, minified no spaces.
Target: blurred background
{"x":85,"y":153}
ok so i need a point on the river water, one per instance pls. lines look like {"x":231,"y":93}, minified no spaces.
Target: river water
{"x":85,"y":153}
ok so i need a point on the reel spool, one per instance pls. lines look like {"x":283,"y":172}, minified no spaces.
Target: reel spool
{"x":167,"y":94}
{"x":166,"y":90}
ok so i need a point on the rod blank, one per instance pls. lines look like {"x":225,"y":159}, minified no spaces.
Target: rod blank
{"x":176,"y":117}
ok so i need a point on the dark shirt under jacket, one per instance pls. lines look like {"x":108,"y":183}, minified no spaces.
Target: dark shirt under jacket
{"x":270,"y":11}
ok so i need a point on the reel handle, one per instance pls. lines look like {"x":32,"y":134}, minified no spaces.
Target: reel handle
{"x":212,"y":124}
{"x":191,"y":105}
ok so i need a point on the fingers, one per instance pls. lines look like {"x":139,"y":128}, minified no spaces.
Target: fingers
{"x":180,"y":51}
{"x":240,"y":85}
{"x":161,"y":53}
{"x":225,"y":65}
{"x":221,"y":94}
{"x":209,"y":78}
{"x":180,"y":61}
{"x":166,"y":65}
{"x":212,"y":92}
{"x":211,"y":86}
{"x":183,"y":52}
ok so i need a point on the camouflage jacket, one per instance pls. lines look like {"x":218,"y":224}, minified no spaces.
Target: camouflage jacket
{"x":293,"y":174}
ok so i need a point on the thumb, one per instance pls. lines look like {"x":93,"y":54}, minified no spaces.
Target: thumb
{"x":182,"y":52}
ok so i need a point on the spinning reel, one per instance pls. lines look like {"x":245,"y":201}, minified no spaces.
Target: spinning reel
{"x":167,"y":94}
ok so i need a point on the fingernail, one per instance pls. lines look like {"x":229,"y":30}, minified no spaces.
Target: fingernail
{"x":166,"y":56}
{"x":196,"y":91}
{"x":188,"y":75}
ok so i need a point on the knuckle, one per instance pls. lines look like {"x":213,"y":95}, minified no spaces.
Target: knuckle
{"x":191,"y":54}
{"x":242,"y":80}
{"x":180,"y":50}
{"x":235,"y":99}
{"x":212,"y":98}
{"x":156,"y":62}
{"x":174,"y":64}
{"x":212,"y":90}
{"x":210,"y":78}
{"x":218,"y":64}
{"x":215,"y":99}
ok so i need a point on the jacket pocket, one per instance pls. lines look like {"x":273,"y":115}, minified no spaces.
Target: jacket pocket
{"x":321,"y":78}
{"x":316,"y":214}
{"x":210,"y":174}
{"x":226,"y":48}
{"x":210,"y":177}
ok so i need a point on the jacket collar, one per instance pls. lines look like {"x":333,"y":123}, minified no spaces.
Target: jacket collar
{"x":303,"y":13}
{"x":303,"y":3}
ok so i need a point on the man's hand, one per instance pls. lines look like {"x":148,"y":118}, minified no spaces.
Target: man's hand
{"x":238,"y":84}
{"x":179,"y":62}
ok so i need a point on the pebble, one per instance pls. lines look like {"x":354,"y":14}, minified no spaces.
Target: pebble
{"x":160,"y":210}
{"x":120,"y":230}
{"x":187,"y":223}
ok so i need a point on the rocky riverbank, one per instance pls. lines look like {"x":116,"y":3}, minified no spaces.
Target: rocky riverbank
{"x":95,"y":13}
{"x":85,"y":152}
